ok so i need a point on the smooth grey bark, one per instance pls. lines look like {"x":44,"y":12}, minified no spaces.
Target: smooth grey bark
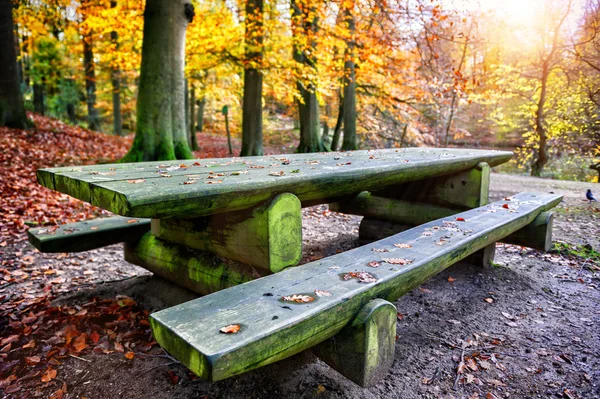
{"x":305,"y":22}
{"x":338,"y":125}
{"x":350,"y":141}
{"x":115,"y":79}
{"x":90,"y":83}
{"x":252,"y":122}
{"x":160,"y":132}
{"x":12,"y":108}
{"x":38,"y":99}
{"x":540,"y":129}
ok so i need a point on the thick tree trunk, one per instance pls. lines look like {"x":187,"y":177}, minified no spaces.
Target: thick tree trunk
{"x":186,"y":105}
{"x":252,"y":141}
{"x":193,"y":138}
{"x":115,"y":79}
{"x":540,"y":129}
{"x":305,"y":22}
{"x":160,"y":129}
{"x":201,"y":104}
{"x":90,"y":83}
{"x":12,"y":108}
{"x":350,"y":141}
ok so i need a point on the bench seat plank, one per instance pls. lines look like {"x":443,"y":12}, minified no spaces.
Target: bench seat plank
{"x":238,"y":184}
{"x":272,"y":329}
{"x":89,"y":234}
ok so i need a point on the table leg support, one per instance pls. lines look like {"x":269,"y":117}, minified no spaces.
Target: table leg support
{"x":363,"y":351}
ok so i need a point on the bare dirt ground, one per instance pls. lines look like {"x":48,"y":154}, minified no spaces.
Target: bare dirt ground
{"x":526,"y":327}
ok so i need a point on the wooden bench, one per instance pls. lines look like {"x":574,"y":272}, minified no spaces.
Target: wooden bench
{"x":89,"y":234}
{"x":348,"y":299}
{"x":233,"y":227}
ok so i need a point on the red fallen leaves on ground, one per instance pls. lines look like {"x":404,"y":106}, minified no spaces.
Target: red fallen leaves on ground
{"x":62,"y":332}
{"x":50,"y":143}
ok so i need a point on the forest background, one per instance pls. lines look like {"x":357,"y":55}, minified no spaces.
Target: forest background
{"x":337,"y":74}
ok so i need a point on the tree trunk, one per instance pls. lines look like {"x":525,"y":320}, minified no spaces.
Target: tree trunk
{"x":186,"y":106}
{"x":350,"y":141}
{"x":305,"y":22}
{"x":194,"y":139}
{"x":540,"y":129}
{"x":225,"y":112}
{"x":115,"y":78}
{"x":90,"y":83}
{"x":12,"y":108}
{"x":252,"y":141}
{"x":201,"y":104}
{"x":338,"y":125}
{"x":38,"y":99}
{"x":160,"y":129}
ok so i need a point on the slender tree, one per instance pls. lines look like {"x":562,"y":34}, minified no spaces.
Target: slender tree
{"x":350,"y":141}
{"x":160,"y":130}
{"x":252,"y":143}
{"x":115,"y":79}
{"x":12,"y":108}
{"x":305,"y":23}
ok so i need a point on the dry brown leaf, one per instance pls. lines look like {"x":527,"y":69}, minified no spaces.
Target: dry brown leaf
{"x":129,"y":355}
{"x":402,"y":245}
{"x":49,"y":375}
{"x":398,"y":261}
{"x":230,"y":329}
{"x":298,"y":298}
{"x":322,"y":293}
{"x":136,"y":181}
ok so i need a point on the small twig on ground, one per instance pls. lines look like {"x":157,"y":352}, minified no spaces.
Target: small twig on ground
{"x":461,"y":365}
{"x":582,"y":266}
{"x":435,"y":374}
{"x":80,"y":358}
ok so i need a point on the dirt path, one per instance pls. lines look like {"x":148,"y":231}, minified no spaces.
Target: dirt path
{"x":528,"y":325}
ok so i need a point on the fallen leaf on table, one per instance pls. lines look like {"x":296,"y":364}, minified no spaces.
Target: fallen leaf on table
{"x":379,"y":250}
{"x":298,"y":298}
{"x":136,"y":181}
{"x":363,"y":277}
{"x":460,"y":219}
{"x":373,"y":264}
{"x":230,"y":329}
{"x":280,"y":173}
{"x":130,"y":221}
{"x":322,"y":293}
{"x":398,"y":261}
{"x":402,"y":245}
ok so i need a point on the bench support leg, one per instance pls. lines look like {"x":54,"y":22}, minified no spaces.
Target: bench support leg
{"x":363,"y":351}
{"x":267,"y":237}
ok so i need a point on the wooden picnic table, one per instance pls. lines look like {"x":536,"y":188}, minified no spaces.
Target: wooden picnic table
{"x":187,"y":189}
{"x":210,"y":225}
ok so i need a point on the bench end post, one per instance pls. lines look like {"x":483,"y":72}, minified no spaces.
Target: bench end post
{"x":363,"y":351}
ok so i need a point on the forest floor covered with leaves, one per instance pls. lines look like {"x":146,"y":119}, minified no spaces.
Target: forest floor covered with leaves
{"x":76,"y":325}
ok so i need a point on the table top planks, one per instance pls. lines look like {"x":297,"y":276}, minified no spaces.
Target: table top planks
{"x":192,"y":188}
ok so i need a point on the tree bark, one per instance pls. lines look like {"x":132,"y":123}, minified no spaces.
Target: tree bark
{"x":160,"y":129}
{"x":38,"y":99}
{"x":305,"y":22}
{"x":338,"y":124}
{"x":115,"y":79}
{"x":540,"y":129}
{"x":193,"y":138}
{"x":12,"y":108}
{"x":252,"y":141}
{"x":90,"y":83}
{"x":201,"y":104}
{"x":350,"y":141}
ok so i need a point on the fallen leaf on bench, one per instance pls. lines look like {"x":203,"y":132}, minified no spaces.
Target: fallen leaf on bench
{"x":190,"y":182}
{"x":298,"y":298}
{"x":213,"y":182}
{"x":280,"y":173}
{"x":402,"y":245}
{"x":322,"y":293}
{"x":459,"y":219}
{"x":373,"y":264}
{"x":334,"y":267}
{"x":379,"y":250}
{"x":363,"y":277}
{"x":165,"y":175}
{"x":398,"y":261}
{"x":136,"y":181}
{"x":130,"y":221}
{"x":505,"y":206}
{"x":230,"y":329}
{"x":94,"y":228}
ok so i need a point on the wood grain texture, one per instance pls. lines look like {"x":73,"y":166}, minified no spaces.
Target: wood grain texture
{"x":89,"y":234}
{"x":273,"y":329}
{"x":268,"y":236}
{"x":229,"y":184}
